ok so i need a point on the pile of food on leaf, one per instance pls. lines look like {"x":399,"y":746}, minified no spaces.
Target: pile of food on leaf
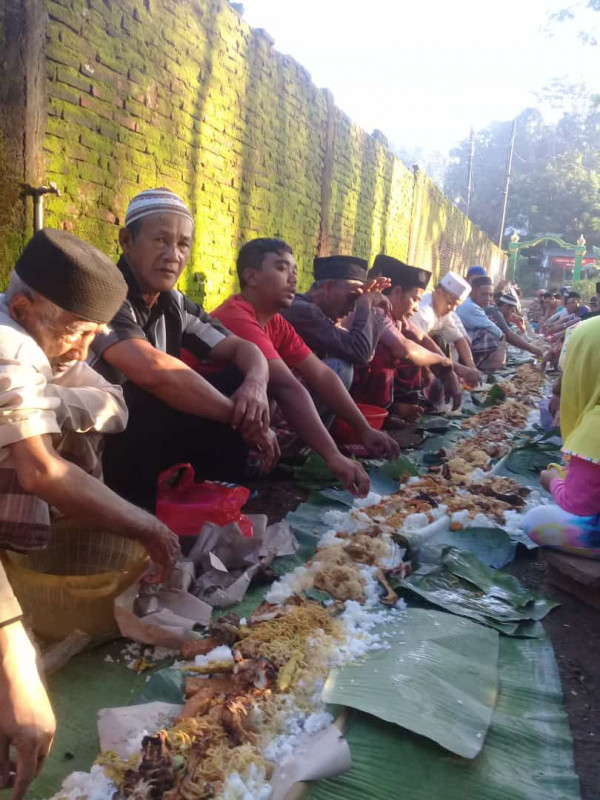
{"x":248,"y":683}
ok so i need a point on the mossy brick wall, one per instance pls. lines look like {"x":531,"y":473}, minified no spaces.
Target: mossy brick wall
{"x":184,"y":94}
{"x":12,"y":123}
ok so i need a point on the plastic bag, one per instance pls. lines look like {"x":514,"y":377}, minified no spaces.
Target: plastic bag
{"x":184,"y":506}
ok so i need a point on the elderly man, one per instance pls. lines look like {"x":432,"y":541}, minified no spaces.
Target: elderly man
{"x":436,"y":316}
{"x":268,"y":275}
{"x":340,"y":286}
{"x":176,"y":415}
{"x":61,"y":294}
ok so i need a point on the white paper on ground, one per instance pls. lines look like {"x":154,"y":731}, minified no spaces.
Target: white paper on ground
{"x":278,"y":540}
{"x":122,"y":729}
{"x":322,"y":756}
{"x":184,"y":604}
{"x":168,"y":627}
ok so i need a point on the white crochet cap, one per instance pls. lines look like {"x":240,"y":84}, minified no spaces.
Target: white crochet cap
{"x":155,"y":201}
{"x":456,"y":285}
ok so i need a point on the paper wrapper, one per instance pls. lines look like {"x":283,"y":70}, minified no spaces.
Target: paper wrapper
{"x":322,"y":756}
{"x":122,"y":729}
{"x":228,"y":561}
{"x":180,"y":612}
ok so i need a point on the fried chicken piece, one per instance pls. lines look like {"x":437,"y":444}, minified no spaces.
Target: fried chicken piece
{"x":220,"y":684}
{"x":391,"y":598}
{"x":259,"y":673}
{"x":234,"y":719}
{"x":200,"y":702}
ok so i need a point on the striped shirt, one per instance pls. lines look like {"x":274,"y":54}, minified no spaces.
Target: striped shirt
{"x":172,"y":323}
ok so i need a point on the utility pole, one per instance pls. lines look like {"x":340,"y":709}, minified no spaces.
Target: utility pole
{"x":507,"y":181}
{"x":470,"y":171}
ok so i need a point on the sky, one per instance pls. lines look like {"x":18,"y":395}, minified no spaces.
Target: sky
{"x":425,"y":71}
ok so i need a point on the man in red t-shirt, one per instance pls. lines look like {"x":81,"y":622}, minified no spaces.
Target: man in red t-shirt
{"x":268,"y":276}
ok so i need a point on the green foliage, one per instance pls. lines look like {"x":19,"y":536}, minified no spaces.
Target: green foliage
{"x":587,"y":288}
{"x":555,"y":185}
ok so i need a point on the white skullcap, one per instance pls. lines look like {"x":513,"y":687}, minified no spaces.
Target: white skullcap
{"x":456,"y":285}
{"x":155,"y":201}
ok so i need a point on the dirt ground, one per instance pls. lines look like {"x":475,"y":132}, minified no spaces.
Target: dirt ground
{"x":575,"y":632}
{"x":573,"y":627}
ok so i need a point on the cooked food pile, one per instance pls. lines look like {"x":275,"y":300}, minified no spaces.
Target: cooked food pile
{"x":236,"y":702}
{"x":243,"y":679}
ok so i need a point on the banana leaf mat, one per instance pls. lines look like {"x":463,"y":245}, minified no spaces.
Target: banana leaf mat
{"x":527,"y":753}
{"x":543,"y":763}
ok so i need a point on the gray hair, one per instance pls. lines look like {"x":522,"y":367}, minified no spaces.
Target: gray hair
{"x":16,"y":286}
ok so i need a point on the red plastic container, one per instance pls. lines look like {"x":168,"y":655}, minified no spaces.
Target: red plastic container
{"x":184,"y":506}
{"x":345,"y":434}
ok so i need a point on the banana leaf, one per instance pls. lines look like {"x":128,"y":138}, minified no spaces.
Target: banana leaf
{"x":495,"y":395}
{"x":166,"y":685}
{"x":527,"y":753}
{"x":532,"y":458}
{"x":314,"y":473}
{"x":438,"y":679}
{"x":492,"y":546}
{"x":464,"y":586}
{"x":441,"y":440}
{"x":433,"y":423}
{"x":307,"y":519}
{"x":385,"y":480}
{"x":497,"y":584}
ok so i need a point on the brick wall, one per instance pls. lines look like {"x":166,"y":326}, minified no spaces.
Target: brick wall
{"x":182,"y":93}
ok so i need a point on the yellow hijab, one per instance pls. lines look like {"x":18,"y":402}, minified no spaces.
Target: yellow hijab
{"x":580,"y":394}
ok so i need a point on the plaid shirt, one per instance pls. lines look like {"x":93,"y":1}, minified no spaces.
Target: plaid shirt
{"x":34,"y":403}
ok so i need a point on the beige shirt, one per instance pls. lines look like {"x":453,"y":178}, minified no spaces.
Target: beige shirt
{"x":33,"y":402}
{"x":75,"y":407}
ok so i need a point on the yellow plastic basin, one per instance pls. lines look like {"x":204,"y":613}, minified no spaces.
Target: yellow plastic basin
{"x":74,"y":581}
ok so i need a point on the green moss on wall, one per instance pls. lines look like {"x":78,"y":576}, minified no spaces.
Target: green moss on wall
{"x":184,"y":94}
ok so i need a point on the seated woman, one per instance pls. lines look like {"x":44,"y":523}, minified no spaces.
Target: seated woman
{"x":398,"y":376}
{"x":573,"y":524}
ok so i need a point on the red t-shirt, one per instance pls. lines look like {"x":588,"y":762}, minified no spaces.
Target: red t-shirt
{"x":278,"y":340}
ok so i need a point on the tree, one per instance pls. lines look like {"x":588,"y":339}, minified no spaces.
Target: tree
{"x":562,"y":197}
{"x":579,"y":12}
{"x":489,"y":165}
{"x":554,"y":185}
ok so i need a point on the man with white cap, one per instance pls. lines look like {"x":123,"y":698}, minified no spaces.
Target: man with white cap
{"x":175,"y":415}
{"x":435,"y":315}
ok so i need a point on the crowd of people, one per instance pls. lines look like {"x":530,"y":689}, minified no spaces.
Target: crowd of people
{"x":109,"y":375}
